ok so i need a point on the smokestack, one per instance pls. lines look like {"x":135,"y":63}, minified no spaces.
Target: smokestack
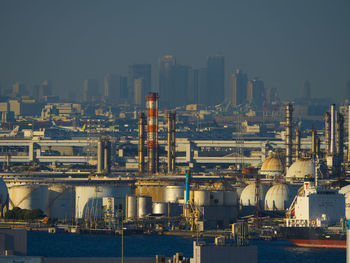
{"x":332,"y":146}
{"x":171,"y":141}
{"x":107,"y":156}
{"x":340,"y":137}
{"x":142,"y":135}
{"x":152,"y":132}
{"x":314,"y":142}
{"x":327,"y":131}
{"x":100,"y":156}
{"x":289,"y":135}
{"x":297,"y":143}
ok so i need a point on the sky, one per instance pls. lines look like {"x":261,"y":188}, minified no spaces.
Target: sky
{"x":281,"y":42}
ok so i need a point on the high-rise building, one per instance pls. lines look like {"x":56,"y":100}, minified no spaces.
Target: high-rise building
{"x":166,"y":65}
{"x":139,"y":86}
{"x":179,"y":86}
{"x":90,"y":90}
{"x":305,"y":92}
{"x":139,"y":71}
{"x":256,"y":93}
{"x":18,"y":89}
{"x":216,"y":79}
{"x":239,"y":88}
{"x":203,"y":91}
{"x":43,"y":90}
{"x":192,"y":90}
{"x":113,"y":89}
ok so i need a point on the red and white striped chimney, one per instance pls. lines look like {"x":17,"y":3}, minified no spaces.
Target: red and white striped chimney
{"x":152,"y":132}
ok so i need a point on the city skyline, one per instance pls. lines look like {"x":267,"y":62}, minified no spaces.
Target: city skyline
{"x":282,"y":43}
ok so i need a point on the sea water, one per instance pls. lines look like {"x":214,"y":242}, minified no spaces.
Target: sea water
{"x":84,"y":245}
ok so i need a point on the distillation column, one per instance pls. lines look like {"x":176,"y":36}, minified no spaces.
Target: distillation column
{"x":142,"y":137}
{"x":152,"y":132}
{"x":171,"y":142}
{"x":289,"y":135}
{"x":297,"y":144}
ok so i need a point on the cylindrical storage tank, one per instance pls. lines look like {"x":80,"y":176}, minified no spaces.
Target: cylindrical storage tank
{"x":279,"y":197}
{"x":202,"y":198}
{"x":28,"y":197}
{"x":248,"y":196}
{"x":131,"y":206}
{"x":230,"y":198}
{"x":172,"y":193}
{"x":144,"y":206}
{"x":88,"y":199}
{"x":61,"y":202}
{"x":217,"y":198}
{"x":3,"y":192}
{"x":160,"y":208}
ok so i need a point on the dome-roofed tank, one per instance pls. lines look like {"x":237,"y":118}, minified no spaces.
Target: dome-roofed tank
{"x":3,"y":192}
{"x":248,"y":195}
{"x":300,"y":169}
{"x":279,"y":197}
{"x":272,"y":166}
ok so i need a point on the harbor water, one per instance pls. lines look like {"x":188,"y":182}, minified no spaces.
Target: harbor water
{"x":83,"y":245}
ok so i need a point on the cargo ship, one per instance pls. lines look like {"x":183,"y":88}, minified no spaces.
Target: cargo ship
{"x":316,"y":218}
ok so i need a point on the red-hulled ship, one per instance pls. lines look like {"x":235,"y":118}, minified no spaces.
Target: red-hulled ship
{"x":316,"y":218}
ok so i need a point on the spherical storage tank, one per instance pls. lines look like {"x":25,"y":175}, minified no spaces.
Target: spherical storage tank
{"x":272,"y":166}
{"x":28,"y":196}
{"x":3,"y":192}
{"x":300,"y":169}
{"x":248,"y":195}
{"x":88,"y":199}
{"x":173,"y":193}
{"x":61,"y":202}
{"x":279,"y":197}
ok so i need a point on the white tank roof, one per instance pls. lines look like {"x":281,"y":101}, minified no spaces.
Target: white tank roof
{"x":272,"y":166}
{"x":300,"y":169}
{"x":279,"y":197}
{"x":248,"y":194}
{"x":345,"y":190}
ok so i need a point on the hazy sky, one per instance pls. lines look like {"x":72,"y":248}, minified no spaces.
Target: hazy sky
{"x":282,"y":42}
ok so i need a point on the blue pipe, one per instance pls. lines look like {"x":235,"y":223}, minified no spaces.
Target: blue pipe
{"x":188,"y":178}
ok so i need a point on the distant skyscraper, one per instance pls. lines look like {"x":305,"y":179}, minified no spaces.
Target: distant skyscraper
{"x":203,"y":97}
{"x":192,"y":91}
{"x":43,"y":90}
{"x":271,"y":95}
{"x":256,"y":93}
{"x":139,"y":71}
{"x":139,"y":86}
{"x":90,"y":90}
{"x":18,"y":89}
{"x":179,"y":85}
{"x":112,"y":89}
{"x":166,"y":65}
{"x":216,"y":79}
{"x":239,"y":88}
{"x":305,"y":92}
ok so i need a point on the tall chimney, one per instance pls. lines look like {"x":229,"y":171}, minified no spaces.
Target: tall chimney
{"x":141,"y":146}
{"x":171,"y":141}
{"x":314,"y":141}
{"x":107,"y":156}
{"x":152,"y":132}
{"x":340,"y":137}
{"x":327,"y":131}
{"x":332,"y":147}
{"x":297,"y":143}
{"x":100,"y":156}
{"x":289,"y":136}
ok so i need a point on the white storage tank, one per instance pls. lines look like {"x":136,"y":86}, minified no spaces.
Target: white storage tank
{"x":144,"y":206}
{"x":88,"y":199}
{"x":131,"y":206}
{"x":61,"y":203}
{"x":28,"y":196}
{"x":248,"y":195}
{"x":173,"y":193}
{"x":216,"y":198}
{"x":279,"y":197}
{"x":160,"y":208}
{"x":202,"y":197}
{"x":230,"y":198}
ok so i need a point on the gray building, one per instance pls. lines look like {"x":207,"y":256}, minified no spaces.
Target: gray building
{"x":216,"y":79}
{"x":139,"y":71}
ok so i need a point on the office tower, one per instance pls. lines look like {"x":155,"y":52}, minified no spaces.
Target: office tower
{"x":271,"y":95}
{"x":43,"y":90}
{"x":166,"y":65}
{"x":124,"y":89}
{"x":138,"y":71}
{"x":239,"y":88}
{"x":203,"y":97}
{"x":256,"y":93}
{"x":90,"y":90}
{"x":112,"y":89}
{"x":305,"y":92}
{"x":179,"y":86}
{"x":18,"y":89}
{"x":139,"y":86}
{"x":192,"y":91}
{"x":216,"y":79}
